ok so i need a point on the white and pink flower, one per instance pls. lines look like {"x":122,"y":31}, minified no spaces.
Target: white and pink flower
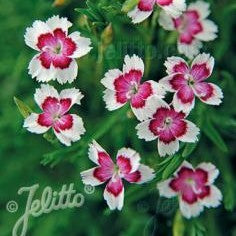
{"x":67,"y":127}
{"x":145,"y":8}
{"x":187,"y":82}
{"x":194,"y":188}
{"x":168,"y":126}
{"x":56,"y":50}
{"x":124,"y":86}
{"x":127,"y":167}
{"x":193,"y":27}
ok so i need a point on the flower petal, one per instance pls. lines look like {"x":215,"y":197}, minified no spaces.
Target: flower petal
{"x":127,"y":160}
{"x":201,"y":7}
{"x":42,"y":74}
{"x":31,"y":124}
{"x":56,"y":22}
{"x":147,"y":174}
{"x":184,"y":165}
{"x":133,"y":63}
{"x":165,"y":190}
{"x":211,"y":170}
{"x":192,"y":131}
{"x":144,"y":104}
{"x":89,"y":178}
{"x":98,"y":155}
{"x":110,"y":98}
{"x":157,"y":88}
{"x":154,"y":103}
{"x":190,"y":210}
{"x":68,"y":74}
{"x":209,"y":93}
{"x":32,"y":33}
{"x":144,"y":132}
{"x":82,"y":45}
{"x":167,"y":148}
{"x":138,"y":99}
{"x":44,"y":92}
{"x":214,"y":198}
{"x":69,"y":130}
{"x":202,"y":67}
{"x":190,"y":50}
{"x":166,"y":82}
{"x":73,"y":95}
{"x":166,"y":21}
{"x":176,"y":65}
{"x":142,"y":11}
{"x":184,"y":100}
{"x":114,"y":193}
{"x":209,"y":31}
{"x":110,"y":77}
{"x":172,"y":7}
{"x":140,"y":176}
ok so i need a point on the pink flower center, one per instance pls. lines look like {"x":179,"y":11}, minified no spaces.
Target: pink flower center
{"x":56,"y":49}
{"x":168,"y":124}
{"x":191,"y":184}
{"x":190,"y":80}
{"x":54,"y":113}
{"x":133,"y":89}
{"x":128,"y":87}
{"x":188,"y":25}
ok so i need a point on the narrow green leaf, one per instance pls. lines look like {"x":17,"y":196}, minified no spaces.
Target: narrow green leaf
{"x":189,"y":148}
{"x":229,"y":198}
{"x":129,"y":5}
{"x":50,"y":138}
{"x":167,"y":159}
{"x":178,"y":225}
{"x":88,"y":13}
{"x":24,"y":109}
{"x":210,"y":131}
{"x":172,"y":167}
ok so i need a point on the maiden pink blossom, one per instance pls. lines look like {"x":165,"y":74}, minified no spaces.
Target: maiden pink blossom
{"x":194,"y":188}
{"x":127,"y":167}
{"x":187,"y":82}
{"x":56,"y":50}
{"x":124,"y":86}
{"x":67,"y":127}
{"x":145,"y":8}
{"x":192,"y":26}
{"x":168,"y":126}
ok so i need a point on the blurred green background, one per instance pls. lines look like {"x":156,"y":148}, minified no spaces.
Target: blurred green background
{"x":27,"y":159}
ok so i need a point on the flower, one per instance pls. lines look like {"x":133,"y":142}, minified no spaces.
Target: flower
{"x":125,"y":86}
{"x":168,"y":126}
{"x":188,"y":82}
{"x":192,"y":26}
{"x":145,"y":8}
{"x":67,"y":127}
{"x":127,"y":167}
{"x":194,"y":188}
{"x":56,"y":50}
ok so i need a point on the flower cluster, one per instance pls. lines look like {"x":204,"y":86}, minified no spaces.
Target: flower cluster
{"x":158,"y":119}
{"x":55,"y":60}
